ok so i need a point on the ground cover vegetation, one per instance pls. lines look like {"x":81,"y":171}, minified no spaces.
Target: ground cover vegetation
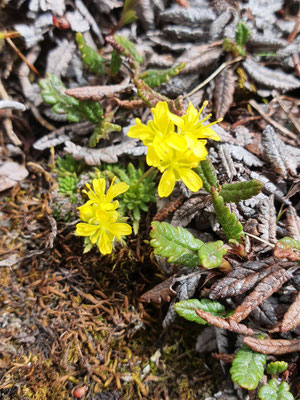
{"x":163,"y":203}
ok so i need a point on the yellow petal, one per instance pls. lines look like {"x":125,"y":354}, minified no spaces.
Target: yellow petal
{"x":177,"y":142}
{"x":120,"y":229}
{"x":115,"y":190}
{"x":104,"y":244}
{"x":99,"y":186}
{"x":86,"y":212}
{"x":199,"y":149}
{"x":152,"y":158}
{"x":178,"y":121}
{"x":83,"y":229}
{"x":190,"y":179}
{"x":167,"y":183}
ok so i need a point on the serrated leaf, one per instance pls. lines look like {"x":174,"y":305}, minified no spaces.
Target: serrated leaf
{"x":235,"y":192}
{"x":129,"y":48}
{"x":90,"y":57}
{"x":178,"y":244}
{"x":186,"y":309}
{"x":207,"y":173}
{"x":115,"y":63}
{"x":75,"y":110}
{"x":247,"y":368}
{"x":274,"y":391}
{"x":155,"y":77}
{"x":211,"y":254}
{"x":231,"y":226}
{"x":277,"y":367}
{"x":224,"y":91}
{"x":242,"y":34}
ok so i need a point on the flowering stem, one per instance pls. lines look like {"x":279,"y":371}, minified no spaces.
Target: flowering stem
{"x":145,"y":174}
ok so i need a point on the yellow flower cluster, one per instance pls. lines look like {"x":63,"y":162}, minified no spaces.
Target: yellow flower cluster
{"x":175,"y":145}
{"x":100,"y":217}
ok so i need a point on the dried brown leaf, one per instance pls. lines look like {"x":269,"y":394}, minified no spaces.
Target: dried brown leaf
{"x":272,"y":346}
{"x":291,"y":318}
{"x":241,"y":279}
{"x":199,"y":57}
{"x":187,"y":211}
{"x":192,"y":16}
{"x":270,"y":78}
{"x":269,"y":285}
{"x":96,"y":156}
{"x":168,"y":208}
{"x":225,"y":357}
{"x":270,"y":187}
{"x":275,"y":151}
{"x":227,"y":161}
{"x":267,"y":220}
{"x":161,"y":292}
{"x":223,"y":323}
{"x":98,"y":92}
{"x":293,"y":223}
{"x":224,"y":91}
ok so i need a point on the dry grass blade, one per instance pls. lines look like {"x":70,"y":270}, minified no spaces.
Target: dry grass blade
{"x":291,"y":318}
{"x":224,"y":91}
{"x":229,"y":324}
{"x":272,"y":346}
{"x":269,"y":285}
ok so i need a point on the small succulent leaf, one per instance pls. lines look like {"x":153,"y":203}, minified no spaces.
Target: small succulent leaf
{"x":231,"y":226}
{"x":186,"y":309}
{"x":211,"y":254}
{"x":90,"y":57}
{"x":207,"y":173}
{"x":178,"y":244}
{"x":274,"y":391}
{"x":287,"y":247}
{"x":276,"y":367}
{"x":242,"y":34}
{"x":155,"y":77}
{"x":247,"y":368}
{"x":129,"y":48}
{"x":235,"y":192}
{"x":96,"y":135}
{"x":115,"y":63}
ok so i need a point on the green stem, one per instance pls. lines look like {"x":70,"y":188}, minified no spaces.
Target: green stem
{"x":145,"y":174}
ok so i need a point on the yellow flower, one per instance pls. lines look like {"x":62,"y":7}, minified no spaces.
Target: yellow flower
{"x":98,"y":197}
{"x":178,"y":166}
{"x":175,"y":145}
{"x":102,"y":229}
{"x":192,"y":129}
{"x":100,"y":218}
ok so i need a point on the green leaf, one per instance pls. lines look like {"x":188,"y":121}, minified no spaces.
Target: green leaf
{"x":274,"y":391}
{"x":186,"y":309}
{"x":115,"y":63}
{"x":277,"y":367}
{"x":90,"y":57}
{"x":178,"y":244}
{"x":231,"y":226}
{"x":128,"y":48}
{"x":207,"y":173}
{"x":128,"y":14}
{"x":211,"y":254}
{"x":287,"y":247}
{"x":288,"y":243}
{"x":96,"y":135}
{"x":235,"y":192}
{"x":247,"y":368}
{"x":155,"y":77}
{"x":242,"y":34}
{"x":75,"y":110}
